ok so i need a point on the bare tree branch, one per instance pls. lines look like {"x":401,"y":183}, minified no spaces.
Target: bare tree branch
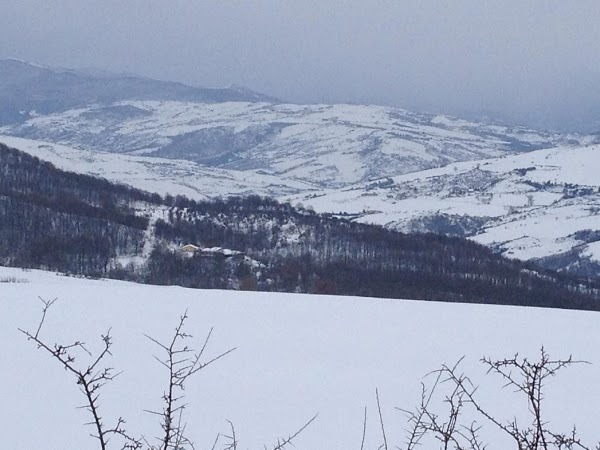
{"x":282,"y":443}
{"x":385,"y":445}
{"x":181,"y":363}
{"x":232,"y":438}
{"x":525,"y":376}
{"x":90,"y":378}
{"x":364,"y":431}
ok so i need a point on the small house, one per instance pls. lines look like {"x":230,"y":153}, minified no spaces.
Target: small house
{"x":190,"y":248}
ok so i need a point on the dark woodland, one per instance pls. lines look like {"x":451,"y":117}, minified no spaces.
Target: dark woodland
{"x":81,"y":225}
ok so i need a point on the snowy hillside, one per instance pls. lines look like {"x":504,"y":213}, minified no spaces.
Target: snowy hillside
{"x":165,"y":176}
{"x":329,"y":145}
{"x":542,"y":204}
{"x":296,"y":356}
{"x":529,"y":194}
{"x":537,"y":205}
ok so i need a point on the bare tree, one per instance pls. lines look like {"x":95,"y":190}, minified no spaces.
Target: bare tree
{"x":526,"y":377}
{"x":444,"y":426}
{"x":181,"y":363}
{"x":179,"y":359}
{"x":90,"y":376}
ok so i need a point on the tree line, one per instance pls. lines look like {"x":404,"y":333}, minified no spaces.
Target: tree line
{"x":68,"y":222}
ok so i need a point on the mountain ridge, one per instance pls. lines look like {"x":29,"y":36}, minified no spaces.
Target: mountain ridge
{"x":330,"y":145}
{"x":27,"y":89}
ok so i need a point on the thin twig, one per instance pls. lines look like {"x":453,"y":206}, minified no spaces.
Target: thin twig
{"x":385,"y":445}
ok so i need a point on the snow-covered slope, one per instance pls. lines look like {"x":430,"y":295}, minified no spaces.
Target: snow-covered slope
{"x":165,"y":176}
{"x":541,"y":204}
{"x":296,"y":355}
{"x":27,"y":90}
{"x":331,"y":145}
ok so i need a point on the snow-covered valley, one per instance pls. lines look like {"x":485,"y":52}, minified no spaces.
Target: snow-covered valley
{"x":296,"y":356}
{"x":540,"y":205}
{"x":531,"y":195}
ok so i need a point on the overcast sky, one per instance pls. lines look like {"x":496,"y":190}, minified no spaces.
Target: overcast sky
{"x":535,"y":61}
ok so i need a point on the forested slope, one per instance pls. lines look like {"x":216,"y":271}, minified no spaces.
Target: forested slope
{"x":64,"y":221}
{"x":73,"y":223}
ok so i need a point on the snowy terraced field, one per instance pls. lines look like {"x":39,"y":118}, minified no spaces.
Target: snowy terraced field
{"x":296,"y":355}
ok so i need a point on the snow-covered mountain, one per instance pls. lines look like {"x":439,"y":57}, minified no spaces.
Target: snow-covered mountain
{"x":328,"y":145}
{"x":27,"y":90}
{"x":529,"y":194}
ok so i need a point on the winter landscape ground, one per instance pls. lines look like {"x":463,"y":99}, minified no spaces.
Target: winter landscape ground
{"x":296,"y":356}
{"x":526,"y":194}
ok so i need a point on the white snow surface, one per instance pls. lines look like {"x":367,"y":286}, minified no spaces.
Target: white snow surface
{"x":296,"y":355}
{"x":165,"y":176}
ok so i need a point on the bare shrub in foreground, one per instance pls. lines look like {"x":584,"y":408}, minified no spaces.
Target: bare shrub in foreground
{"x":92,"y":373}
{"x":524,"y":376}
{"x":91,"y":377}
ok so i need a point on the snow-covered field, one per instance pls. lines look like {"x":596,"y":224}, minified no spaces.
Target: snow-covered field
{"x":296,"y":355}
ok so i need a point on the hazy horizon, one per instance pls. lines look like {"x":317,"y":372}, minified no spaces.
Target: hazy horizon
{"x":535,"y":63}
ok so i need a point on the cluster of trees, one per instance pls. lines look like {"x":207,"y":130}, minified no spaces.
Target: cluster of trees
{"x":38,"y":237}
{"x":64,"y":221}
{"x":79,"y":224}
{"x":301,"y":251}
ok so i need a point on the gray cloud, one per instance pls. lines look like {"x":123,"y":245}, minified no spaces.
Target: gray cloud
{"x":534,"y":61}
